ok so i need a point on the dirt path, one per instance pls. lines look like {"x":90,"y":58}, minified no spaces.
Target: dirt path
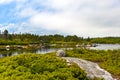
{"x":92,"y":69}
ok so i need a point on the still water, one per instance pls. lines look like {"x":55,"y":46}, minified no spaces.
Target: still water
{"x":106,"y":47}
{"x":21,"y":51}
{"x":36,"y":51}
{"x":48,"y":50}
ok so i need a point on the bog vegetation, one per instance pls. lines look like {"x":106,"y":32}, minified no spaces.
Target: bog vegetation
{"x":50,"y":67}
{"x":38,"y":67}
{"x":109,"y":60}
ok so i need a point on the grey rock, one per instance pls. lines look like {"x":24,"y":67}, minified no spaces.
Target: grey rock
{"x":61,"y":53}
{"x":92,"y":69}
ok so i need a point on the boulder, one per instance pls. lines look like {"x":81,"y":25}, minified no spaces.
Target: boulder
{"x":61,"y":53}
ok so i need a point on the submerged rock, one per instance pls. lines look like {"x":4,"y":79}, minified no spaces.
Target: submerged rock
{"x":61,"y":53}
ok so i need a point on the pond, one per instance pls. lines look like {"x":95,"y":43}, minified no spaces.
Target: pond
{"x":106,"y":47}
{"x":48,"y":50}
{"x":23,"y":51}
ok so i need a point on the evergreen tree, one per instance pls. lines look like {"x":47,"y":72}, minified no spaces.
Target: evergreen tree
{"x":5,"y":34}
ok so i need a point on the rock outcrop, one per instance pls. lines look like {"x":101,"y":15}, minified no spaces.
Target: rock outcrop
{"x":92,"y":69}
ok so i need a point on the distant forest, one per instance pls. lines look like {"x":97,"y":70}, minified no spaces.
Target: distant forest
{"x":28,"y":38}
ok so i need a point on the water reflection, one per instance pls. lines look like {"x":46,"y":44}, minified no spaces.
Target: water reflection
{"x":106,"y":47}
{"x":9,"y":53}
{"x":5,"y":53}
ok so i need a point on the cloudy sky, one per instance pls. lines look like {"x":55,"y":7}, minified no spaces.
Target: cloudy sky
{"x":94,"y":18}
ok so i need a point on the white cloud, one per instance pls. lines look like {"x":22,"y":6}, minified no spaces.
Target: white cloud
{"x":80,"y":17}
{"x":27,"y":12}
{"x":5,"y":1}
{"x":10,"y":1}
{"x":14,"y":28}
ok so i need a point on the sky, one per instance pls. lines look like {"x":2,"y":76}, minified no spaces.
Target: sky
{"x":93,"y":18}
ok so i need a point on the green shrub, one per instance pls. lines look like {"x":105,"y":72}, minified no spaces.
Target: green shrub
{"x":109,"y":60}
{"x":38,"y":67}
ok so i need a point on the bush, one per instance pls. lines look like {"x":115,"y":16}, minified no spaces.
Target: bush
{"x":38,"y":67}
{"x":109,"y":60}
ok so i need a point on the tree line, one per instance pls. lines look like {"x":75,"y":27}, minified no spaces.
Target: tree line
{"x":26,"y":38}
{"x":33,"y":38}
